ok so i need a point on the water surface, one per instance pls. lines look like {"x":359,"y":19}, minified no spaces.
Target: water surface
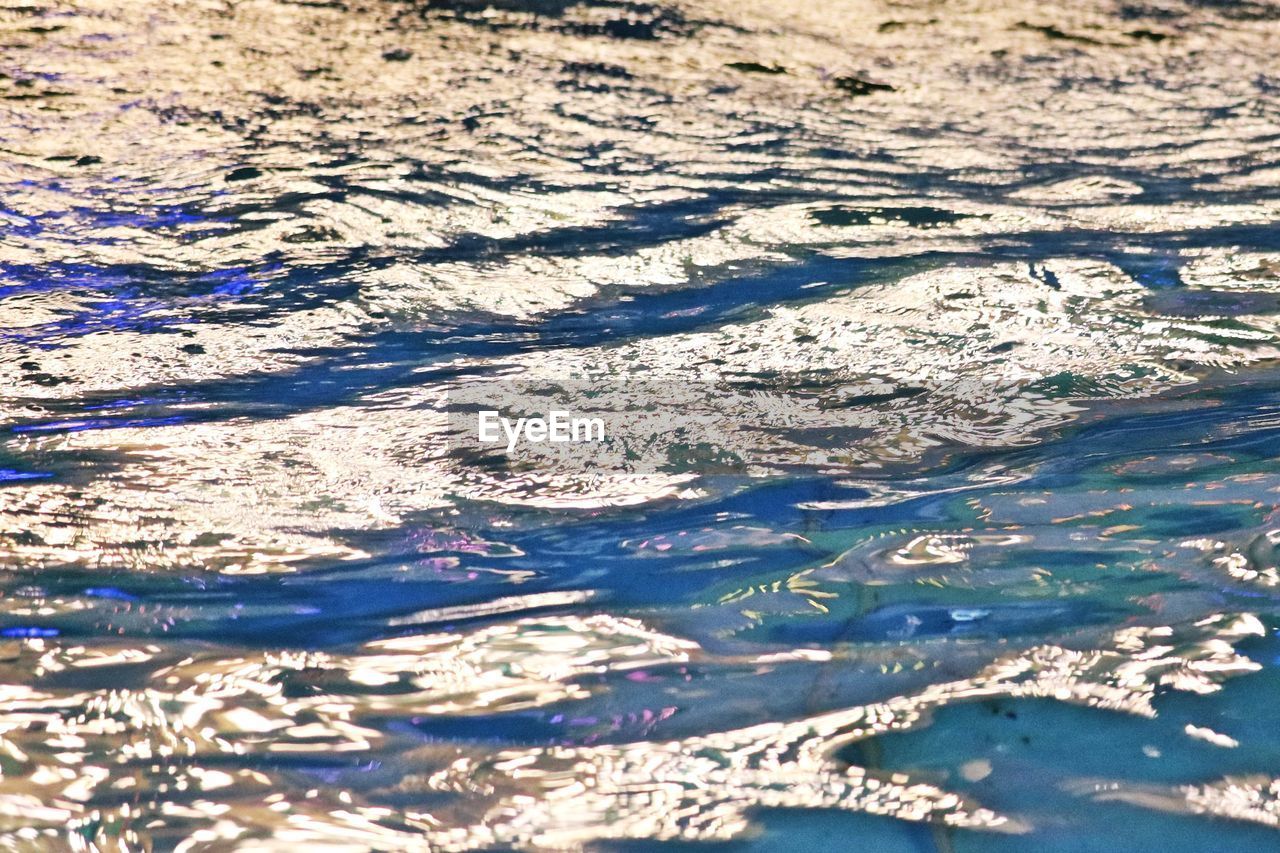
{"x":976,"y":548}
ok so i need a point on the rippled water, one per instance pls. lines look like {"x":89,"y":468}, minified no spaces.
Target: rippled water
{"x":975,"y":305}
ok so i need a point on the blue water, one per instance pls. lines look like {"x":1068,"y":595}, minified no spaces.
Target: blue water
{"x":939,"y":348}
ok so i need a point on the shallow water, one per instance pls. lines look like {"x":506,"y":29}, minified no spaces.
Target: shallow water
{"x":969,"y":314}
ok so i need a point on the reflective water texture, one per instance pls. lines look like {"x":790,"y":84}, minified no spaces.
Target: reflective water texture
{"x":1004,"y":575}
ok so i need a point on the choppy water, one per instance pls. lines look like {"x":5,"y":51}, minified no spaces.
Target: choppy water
{"x":978,"y":548}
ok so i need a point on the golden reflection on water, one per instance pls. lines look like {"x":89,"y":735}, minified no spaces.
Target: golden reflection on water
{"x":236,"y":234}
{"x":476,"y":115}
{"x":159,"y":748}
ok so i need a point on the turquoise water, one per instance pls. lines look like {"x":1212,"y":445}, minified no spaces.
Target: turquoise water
{"x":939,"y":345}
